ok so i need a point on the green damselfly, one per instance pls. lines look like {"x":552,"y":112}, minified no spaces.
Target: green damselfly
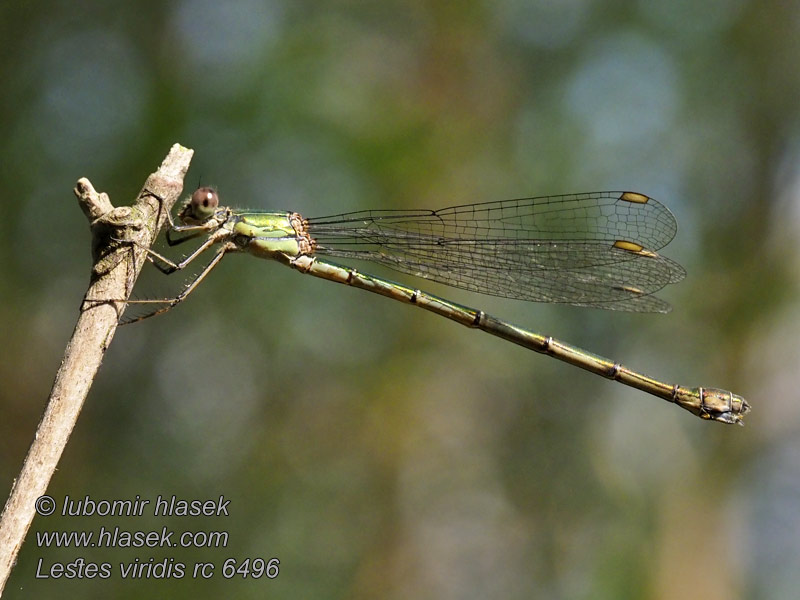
{"x":596,"y":250}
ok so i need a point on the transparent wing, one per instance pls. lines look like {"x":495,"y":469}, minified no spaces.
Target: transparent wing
{"x":595,"y":249}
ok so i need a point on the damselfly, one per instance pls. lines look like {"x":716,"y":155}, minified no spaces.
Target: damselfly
{"x":597,"y":250}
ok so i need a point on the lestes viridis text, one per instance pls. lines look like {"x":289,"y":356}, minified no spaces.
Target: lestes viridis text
{"x":596,"y":250}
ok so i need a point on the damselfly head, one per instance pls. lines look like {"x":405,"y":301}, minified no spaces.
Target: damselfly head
{"x":202,"y":205}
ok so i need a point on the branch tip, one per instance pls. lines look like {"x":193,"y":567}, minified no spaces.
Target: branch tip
{"x":93,"y":204}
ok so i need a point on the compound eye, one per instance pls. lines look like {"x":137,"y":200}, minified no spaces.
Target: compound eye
{"x":204,"y":203}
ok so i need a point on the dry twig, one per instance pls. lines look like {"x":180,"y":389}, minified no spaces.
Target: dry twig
{"x":115,"y":268}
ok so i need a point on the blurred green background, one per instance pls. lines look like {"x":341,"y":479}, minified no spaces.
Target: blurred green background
{"x":375,"y":449}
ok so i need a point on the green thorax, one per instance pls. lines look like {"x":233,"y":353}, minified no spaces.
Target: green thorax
{"x":264,"y":234}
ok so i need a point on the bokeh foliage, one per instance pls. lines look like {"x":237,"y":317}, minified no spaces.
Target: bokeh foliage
{"x":377,"y":451}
